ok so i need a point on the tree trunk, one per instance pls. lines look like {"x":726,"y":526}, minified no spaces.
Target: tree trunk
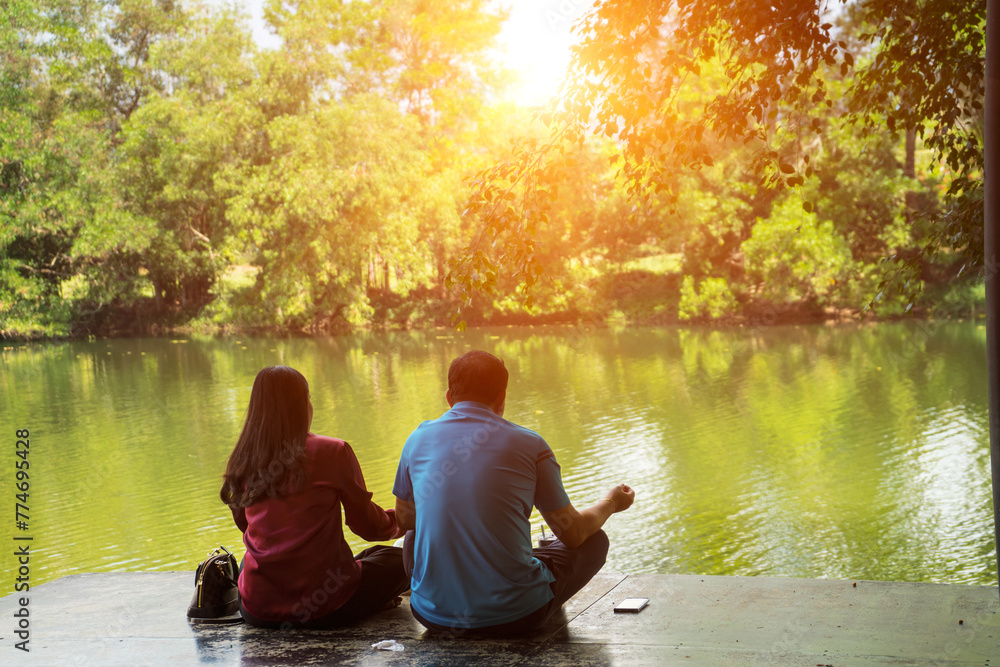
{"x":910,"y":171}
{"x":910,"y":168}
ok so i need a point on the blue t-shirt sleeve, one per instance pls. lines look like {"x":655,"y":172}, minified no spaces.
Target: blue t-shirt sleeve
{"x":402,"y":488}
{"x":549,"y":492}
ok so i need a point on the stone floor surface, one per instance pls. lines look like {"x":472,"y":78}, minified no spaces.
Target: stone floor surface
{"x":139,"y":619}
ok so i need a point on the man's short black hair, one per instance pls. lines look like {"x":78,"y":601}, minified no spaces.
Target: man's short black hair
{"x":477,"y":376}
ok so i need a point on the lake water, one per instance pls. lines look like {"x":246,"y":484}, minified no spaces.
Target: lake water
{"x":843,"y":452}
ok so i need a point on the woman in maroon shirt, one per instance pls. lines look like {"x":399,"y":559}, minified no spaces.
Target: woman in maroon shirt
{"x":285,"y":487}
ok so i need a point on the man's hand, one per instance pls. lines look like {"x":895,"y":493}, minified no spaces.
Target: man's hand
{"x":573,"y":527}
{"x":622,"y":496}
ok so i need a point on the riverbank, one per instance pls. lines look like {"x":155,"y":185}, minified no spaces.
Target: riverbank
{"x":139,"y":618}
{"x":637,"y":298}
{"x":758,"y":317}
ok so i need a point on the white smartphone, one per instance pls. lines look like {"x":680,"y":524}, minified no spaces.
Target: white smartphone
{"x":631,"y":605}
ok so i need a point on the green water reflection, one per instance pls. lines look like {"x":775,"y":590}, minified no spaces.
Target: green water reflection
{"x":847,"y":452}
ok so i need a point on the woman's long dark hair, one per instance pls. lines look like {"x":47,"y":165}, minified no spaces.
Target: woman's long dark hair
{"x":267,"y":459}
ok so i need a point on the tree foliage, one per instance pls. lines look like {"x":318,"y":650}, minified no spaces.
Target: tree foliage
{"x":701,"y":160}
{"x":148,"y":148}
{"x":355,"y":171}
{"x":773,"y":64}
{"x":79,"y":72}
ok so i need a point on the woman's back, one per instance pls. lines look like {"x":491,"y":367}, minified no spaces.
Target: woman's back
{"x":285,"y":487}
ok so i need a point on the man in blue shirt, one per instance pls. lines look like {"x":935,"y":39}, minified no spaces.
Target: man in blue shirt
{"x":467,"y":483}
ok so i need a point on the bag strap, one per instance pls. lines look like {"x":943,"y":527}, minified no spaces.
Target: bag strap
{"x":213,"y":560}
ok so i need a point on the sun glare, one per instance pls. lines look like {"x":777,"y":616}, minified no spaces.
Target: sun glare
{"x":534,"y":42}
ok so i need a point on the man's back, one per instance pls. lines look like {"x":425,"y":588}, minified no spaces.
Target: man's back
{"x":474,"y":478}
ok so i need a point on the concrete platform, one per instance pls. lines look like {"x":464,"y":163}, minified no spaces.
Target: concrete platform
{"x":139,"y":619}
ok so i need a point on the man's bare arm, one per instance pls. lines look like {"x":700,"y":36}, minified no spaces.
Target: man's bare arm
{"x":574,"y":527}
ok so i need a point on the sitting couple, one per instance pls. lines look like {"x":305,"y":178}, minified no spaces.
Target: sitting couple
{"x":465,"y":488}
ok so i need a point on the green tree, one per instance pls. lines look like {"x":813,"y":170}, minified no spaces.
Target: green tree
{"x":26,"y":288}
{"x":173,"y":149}
{"x":353,"y":182}
{"x":792,"y":256}
{"x":344,"y":184}
{"x":435,"y":60}
{"x":72,"y":249}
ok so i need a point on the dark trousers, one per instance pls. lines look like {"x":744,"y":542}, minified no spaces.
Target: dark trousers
{"x":382,"y":580}
{"x":572,"y":569}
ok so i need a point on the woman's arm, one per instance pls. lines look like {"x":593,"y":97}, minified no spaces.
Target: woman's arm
{"x":406,"y":514}
{"x":365,"y":519}
{"x":240,"y":517}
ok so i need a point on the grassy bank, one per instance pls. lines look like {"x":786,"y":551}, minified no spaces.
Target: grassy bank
{"x":646,"y":291}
